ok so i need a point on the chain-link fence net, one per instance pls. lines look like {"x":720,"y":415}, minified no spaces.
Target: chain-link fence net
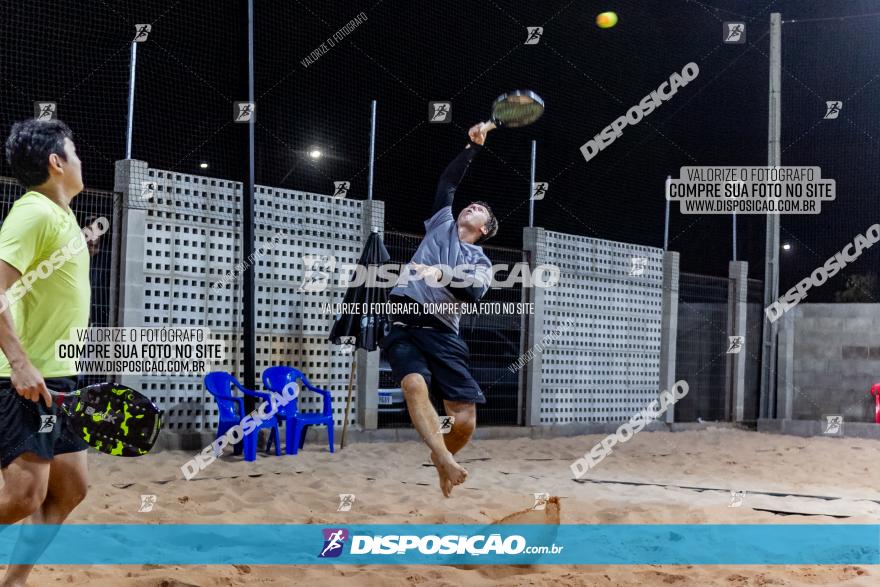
{"x":318,"y":67}
{"x":830,"y":89}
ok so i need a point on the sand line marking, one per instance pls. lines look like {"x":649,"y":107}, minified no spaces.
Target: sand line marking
{"x":727,"y":490}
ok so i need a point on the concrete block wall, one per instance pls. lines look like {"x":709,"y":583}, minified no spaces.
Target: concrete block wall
{"x":829,"y":357}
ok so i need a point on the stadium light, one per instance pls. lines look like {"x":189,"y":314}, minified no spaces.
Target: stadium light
{"x":786,"y":247}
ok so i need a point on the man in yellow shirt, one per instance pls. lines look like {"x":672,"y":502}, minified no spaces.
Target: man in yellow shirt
{"x":44,"y":293}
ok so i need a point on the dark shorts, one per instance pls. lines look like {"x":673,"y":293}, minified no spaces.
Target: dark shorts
{"x":27,"y":426}
{"x":440,"y":357}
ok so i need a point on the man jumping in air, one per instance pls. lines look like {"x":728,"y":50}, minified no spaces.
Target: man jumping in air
{"x":43,"y":464}
{"x":425,"y":351}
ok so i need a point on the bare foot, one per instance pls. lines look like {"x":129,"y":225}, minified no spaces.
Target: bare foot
{"x":454,"y":472}
{"x":445,"y":483}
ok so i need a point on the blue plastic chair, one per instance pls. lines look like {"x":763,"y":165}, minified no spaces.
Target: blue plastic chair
{"x":230,"y":408}
{"x":219,"y":384}
{"x":296,"y":422}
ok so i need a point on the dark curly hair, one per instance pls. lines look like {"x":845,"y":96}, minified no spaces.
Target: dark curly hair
{"x":29,"y":145}
{"x":491,"y":223}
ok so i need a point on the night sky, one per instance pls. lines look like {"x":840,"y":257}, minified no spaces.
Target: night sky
{"x":408,"y":53}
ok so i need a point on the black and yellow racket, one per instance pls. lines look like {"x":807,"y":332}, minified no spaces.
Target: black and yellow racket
{"x":112,"y":418}
{"x":515,"y":109}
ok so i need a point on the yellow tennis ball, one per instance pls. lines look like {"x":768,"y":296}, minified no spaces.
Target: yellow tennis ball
{"x":606,"y":20}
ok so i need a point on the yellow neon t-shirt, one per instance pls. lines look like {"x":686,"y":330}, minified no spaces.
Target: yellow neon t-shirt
{"x":46,"y":245}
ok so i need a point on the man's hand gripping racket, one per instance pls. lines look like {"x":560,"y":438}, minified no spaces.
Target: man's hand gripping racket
{"x":112,"y":418}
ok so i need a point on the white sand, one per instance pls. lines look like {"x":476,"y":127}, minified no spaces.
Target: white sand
{"x":392,"y":485}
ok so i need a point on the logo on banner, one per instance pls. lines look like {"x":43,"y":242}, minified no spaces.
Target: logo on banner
{"x":334,"y":541}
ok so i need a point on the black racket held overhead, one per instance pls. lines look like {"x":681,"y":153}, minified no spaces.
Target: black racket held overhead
{"x":515,"y":109}
{"x":112,"y":418}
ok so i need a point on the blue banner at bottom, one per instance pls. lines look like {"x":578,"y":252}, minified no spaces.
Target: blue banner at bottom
{"x":182,"y":544}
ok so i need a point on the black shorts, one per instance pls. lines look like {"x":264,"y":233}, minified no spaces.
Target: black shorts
{"x":440,"y":357}
{"x":27,"y":426}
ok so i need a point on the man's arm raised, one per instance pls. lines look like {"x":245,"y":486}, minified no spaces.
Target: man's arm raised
{"x":454,"y":172}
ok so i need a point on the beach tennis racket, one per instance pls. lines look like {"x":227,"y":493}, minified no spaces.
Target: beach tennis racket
{"x":515,"y":109}
{"x":112,"y":418}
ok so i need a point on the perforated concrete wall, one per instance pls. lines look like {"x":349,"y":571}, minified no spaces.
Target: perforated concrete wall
{"x":182,"y":267}
{"x":600,"y":330}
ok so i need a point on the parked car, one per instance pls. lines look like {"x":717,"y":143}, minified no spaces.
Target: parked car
{"x":390,"y":395}
{"x":493,"y":350}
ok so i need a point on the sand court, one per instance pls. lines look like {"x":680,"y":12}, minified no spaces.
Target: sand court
{"x":652,"y":479}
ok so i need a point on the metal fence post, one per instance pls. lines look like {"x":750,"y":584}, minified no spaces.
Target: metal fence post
{"x":129,"y":125}
{"x":367,"y":363}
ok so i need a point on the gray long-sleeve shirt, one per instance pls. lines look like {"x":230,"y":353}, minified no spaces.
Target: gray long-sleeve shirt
{"x":441,"y":246}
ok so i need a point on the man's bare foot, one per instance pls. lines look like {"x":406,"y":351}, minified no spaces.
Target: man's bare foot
{"x":454,"y":473}
{"x":445,"y":483}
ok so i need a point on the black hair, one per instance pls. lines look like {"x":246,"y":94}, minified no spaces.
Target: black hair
{"x":29,"y":145}
{"x":491,"y":223}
